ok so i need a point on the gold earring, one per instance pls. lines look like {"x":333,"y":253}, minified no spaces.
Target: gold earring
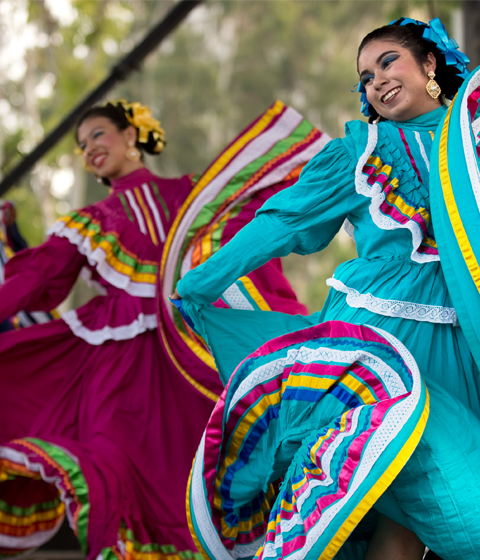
{"x":432,"y":87}
{"x":133,"y":153}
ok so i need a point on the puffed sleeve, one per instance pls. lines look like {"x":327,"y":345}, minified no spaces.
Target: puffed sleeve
{"x":40,"y":278}
{"x":302,"y":219}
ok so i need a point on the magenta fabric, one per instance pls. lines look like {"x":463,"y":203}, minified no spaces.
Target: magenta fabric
{"x":131,"y":420}
{"x":269,"y":278}
{"x":98,"y":390}
{"x":119,"y":406}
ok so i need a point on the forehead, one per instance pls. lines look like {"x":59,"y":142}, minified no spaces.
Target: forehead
{"x":90,"y":124}
{"x":373,"y":50}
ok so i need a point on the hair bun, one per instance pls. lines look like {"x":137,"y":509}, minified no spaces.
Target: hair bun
{"x":151,"y":135}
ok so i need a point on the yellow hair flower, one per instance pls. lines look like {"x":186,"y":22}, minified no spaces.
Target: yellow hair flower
{"x":140,"y":117}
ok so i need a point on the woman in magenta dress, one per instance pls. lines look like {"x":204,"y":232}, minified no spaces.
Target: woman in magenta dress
{"x":97,"y":422}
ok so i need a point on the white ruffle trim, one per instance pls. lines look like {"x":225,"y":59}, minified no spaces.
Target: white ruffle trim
{"x":98,"y":259}
{"x":396,"y":308}
{"x":124,"y":332}
{"x":377,"y":196}
{"x":469,"y":147}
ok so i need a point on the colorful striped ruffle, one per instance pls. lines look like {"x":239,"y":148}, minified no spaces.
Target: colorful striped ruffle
{"x":455,"y":195}
{"x":336,"y":410}
{"x":129,"y":548}
{"x":271,"y":151}
{"x":57,"y":488}
{"x":390,"y":208}
{"x":104,"y":248}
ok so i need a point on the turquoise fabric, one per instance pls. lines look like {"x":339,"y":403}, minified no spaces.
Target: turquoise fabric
{"x":429,"y":496}
{"x":304,"y":219}
{"x":465,"y":293}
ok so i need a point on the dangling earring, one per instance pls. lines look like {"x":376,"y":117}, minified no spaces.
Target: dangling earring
{"x":132,"y":153}
{"x":432,"y":87}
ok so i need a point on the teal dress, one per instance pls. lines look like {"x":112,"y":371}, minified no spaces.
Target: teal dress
{"x":375,"y":183}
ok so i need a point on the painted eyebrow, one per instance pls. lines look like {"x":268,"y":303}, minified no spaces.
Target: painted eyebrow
{"x":90,"y":134}
{"x":378,"y":61}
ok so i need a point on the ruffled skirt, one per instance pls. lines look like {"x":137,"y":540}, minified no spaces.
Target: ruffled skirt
{"x":103,"y":434}
{"x":435,"y":492}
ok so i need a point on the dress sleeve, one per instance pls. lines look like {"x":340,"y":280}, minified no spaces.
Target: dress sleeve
{"x":39,"y":279}
{"x":302,"y":219}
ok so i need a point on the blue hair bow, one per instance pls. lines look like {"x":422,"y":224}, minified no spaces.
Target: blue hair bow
{"x":436,"y":33}
{"x":363,"y":99}
{"x":448,"y":47}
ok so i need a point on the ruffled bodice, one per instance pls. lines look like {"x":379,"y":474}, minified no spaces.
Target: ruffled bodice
{"x":122,"y":236}
{"x":398,"y":272}
{"x":375,"y":180}
{"x":115,"y":245}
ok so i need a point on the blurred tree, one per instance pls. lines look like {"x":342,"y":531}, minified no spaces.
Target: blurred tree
{"x":218,"y":71}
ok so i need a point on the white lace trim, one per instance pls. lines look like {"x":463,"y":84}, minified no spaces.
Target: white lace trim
{"x":392,"y":424}
{"x":235,"y":299}
{"x":469,"y":148}
{"x":396,"y":308}
{"x":98,"y":259}
{"x":377,"y":196}
{"x":124,"y":332}
{"x":476,"y":128}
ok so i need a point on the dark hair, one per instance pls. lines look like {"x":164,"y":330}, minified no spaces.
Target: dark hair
{"x":410,"y":37}
{"x":117,"y":115}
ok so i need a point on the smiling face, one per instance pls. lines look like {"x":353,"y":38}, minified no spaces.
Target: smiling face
{"x":104,"y":147}
{"x":395,"y":82}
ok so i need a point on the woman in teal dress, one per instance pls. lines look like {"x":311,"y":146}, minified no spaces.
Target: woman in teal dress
{"x":302,"y":404}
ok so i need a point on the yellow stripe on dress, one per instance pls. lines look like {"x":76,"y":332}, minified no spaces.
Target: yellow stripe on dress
{"x":209,"y":394}
{"x":243,"y":526}
{"x":200,"y":352}
{"x":380,"y":167}
{"x":254,"y":293}
{"x":222,"y":162}
{"x":207,"y":246}
{"x":190,"y":524}
{"x":361,"y":390}
{"x":26,"y":520}
{"x":116,"y":264}
{"x":238,"y":436}
{"x":146,"y":213}
{"x":379,"y":487}
{"x":410,"y":211}
{"x":308,"y":382}
{"x":451,"y":205}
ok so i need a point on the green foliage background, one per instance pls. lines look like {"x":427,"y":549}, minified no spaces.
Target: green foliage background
{"x":226,"y":64}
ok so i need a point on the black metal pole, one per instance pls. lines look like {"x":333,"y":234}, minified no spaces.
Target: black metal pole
{"x":129,"y":63}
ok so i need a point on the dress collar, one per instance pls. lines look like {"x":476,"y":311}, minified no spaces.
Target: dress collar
{"x":133,"y":179}
{"x":426,"y":122}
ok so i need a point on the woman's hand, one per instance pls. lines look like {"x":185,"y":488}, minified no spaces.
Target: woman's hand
{"x":175,"y":295}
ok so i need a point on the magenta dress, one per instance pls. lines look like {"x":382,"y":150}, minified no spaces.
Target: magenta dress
{"x":97,"y":421}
